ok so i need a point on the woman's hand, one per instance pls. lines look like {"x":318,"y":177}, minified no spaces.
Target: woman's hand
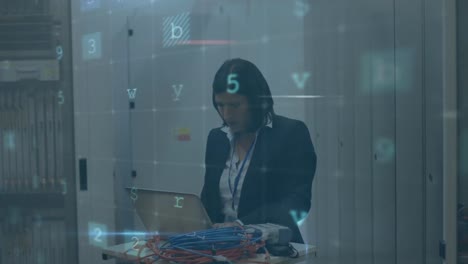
{"x":227,"y":224}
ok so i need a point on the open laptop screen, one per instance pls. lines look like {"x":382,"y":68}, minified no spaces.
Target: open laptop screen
{"x":169,"y":212}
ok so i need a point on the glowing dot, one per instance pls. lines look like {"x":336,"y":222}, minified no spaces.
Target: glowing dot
{"x":385,"y":149}
{"x":335,"y":243}
{"x":338,"y":174}
{"x":9,"y":140}
{"x":341,"y":28}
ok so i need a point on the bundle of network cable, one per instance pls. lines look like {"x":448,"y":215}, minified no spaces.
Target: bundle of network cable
{"x":220,"y":245}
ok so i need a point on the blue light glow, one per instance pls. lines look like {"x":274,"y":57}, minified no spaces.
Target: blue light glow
{"x":9,"y":140}
{"x":87,"y":5}
{"x":298,"y":218}
{"x":97,"y":234}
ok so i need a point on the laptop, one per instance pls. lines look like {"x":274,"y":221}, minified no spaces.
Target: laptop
{"x":169,"y":212}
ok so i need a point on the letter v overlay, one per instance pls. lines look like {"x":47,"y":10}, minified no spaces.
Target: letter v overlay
{"x":298,"y":219}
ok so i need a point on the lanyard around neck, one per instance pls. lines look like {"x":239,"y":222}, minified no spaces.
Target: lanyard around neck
{"x":236,"y":181}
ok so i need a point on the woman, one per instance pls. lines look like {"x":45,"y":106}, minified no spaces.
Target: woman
{"x":259,"y":165}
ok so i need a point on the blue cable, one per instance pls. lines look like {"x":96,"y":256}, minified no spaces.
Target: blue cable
{"x":212,"y":239}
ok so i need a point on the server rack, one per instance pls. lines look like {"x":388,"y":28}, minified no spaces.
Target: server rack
{"x":37,"y":193}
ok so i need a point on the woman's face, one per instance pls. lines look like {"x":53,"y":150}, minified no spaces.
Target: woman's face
{"x":234,"y":110}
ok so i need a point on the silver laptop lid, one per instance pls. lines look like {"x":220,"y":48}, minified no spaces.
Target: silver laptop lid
{"x":169,"y":212}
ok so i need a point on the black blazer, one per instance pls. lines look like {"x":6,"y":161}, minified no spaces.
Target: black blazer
{"x":278,"y":181}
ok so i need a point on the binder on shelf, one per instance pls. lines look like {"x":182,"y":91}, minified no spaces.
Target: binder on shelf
{"x":25,"y":143}
{"x":2,"y":147}
{"x":2,"y":155}
{"x":49,"y":147}
{"x":18,"y":141}
{"x":59,"y":150}
{"x":28,"y":135}
{"x":53,"y":138}
{"x":22,"y":151}
{"x":35,"y":181}
{"x":9,"y":141}
{"x":40,"y":144}
{"x":6,"y":152}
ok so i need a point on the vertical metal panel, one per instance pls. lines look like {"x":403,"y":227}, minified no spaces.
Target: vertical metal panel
{"x":360,"y":14}
{"x":433,"y":128}
{"x":311,"y":225}
{"x":312,"y":115}
{"x":346,"y":51}
{"x":95,"y":103}
{"x":450,"y":126}
{"x":81,"y":142}
{"x":462,"y":111}
{"x":363,"y":181}
{"x":321,"y":49}
{"x":330,"y":123}
{"x":462,"y":96}
{"x":381,"y":58}
{"x":326,"y":129}
{"x":409,"y":131}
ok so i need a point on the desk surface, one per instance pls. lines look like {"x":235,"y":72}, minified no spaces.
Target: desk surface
{"x":118,"y":251}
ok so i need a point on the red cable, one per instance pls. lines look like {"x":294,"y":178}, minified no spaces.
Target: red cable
{"x":177,"y":255}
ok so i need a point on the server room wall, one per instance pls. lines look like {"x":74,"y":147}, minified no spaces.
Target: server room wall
{"x":376,"y":124}
{"x":377,"y":192}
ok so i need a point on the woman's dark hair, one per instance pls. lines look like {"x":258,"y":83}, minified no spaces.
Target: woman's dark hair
{"x":243,"y":77}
